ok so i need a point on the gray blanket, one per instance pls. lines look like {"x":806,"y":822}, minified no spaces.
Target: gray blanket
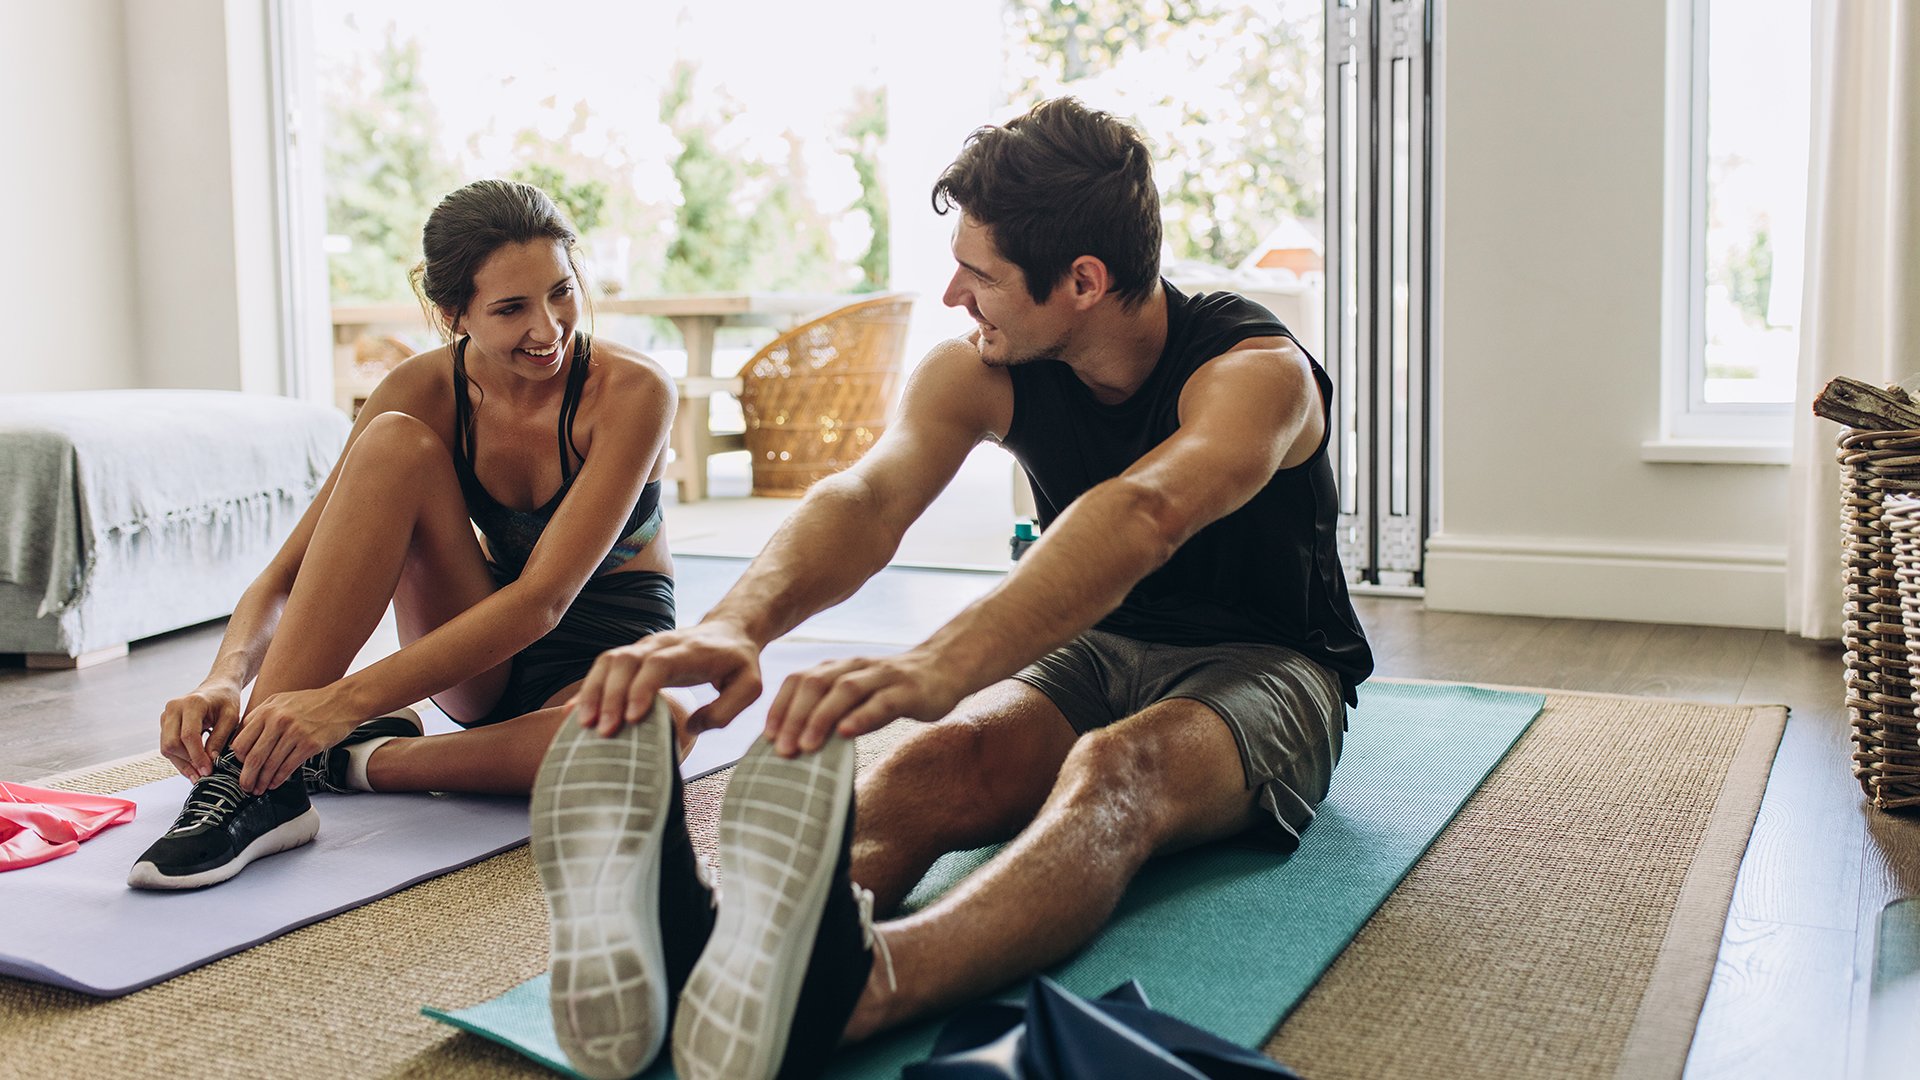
{"x":82,"y":471}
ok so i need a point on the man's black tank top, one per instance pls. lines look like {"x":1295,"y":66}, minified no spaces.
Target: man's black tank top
{"x":1270,"y":571}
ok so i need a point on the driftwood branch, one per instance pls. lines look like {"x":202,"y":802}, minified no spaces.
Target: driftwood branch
{"x":1867,"y":407}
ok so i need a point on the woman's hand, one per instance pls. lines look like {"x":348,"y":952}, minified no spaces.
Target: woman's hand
{"x":286,"y":729}
{"x":195,"y":727}
{"x":620,"y":688}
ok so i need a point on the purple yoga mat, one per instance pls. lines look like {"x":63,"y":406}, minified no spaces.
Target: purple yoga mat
{"x":74,"y":923}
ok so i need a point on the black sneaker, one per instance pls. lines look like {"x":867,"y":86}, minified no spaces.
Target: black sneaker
{"x":630,"y":908}
{"x":222,"y":829}
{"x":794,"y":944}
{"x":326,"y":771}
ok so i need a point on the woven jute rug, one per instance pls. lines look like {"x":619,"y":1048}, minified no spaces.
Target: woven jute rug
{"x":1565,"y":925}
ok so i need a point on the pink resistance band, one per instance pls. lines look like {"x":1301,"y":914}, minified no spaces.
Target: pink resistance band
{"x":37,"y":824}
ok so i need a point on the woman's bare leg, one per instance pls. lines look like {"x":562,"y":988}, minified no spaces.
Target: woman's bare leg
{"x":395,"y":526}
{"x":498,"y":759}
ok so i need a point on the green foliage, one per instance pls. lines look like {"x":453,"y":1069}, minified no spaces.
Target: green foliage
{"x":709,"y":249}
{"x":1087,"y":37}
{"x":1241,"y":153}
{"x":385,"y":172}
{"x":1748,"y":272}
{"x":741,"y":220}
{"x":864,"y":137}
{"x":584,"y":202}
{"x":597,"y":193}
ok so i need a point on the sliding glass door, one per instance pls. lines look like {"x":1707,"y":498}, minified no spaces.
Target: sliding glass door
{"x":1379,"y":168}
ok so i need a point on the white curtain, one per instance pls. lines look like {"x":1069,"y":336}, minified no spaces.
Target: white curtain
{"x":1861,"y":307}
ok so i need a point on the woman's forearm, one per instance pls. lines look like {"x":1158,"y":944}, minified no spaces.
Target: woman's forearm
{"x":249,"y":631}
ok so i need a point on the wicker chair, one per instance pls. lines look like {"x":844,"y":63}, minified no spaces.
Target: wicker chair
{"x":817,"y":396}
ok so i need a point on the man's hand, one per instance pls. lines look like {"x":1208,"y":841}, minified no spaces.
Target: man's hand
{"x":196,"y":726}
{"x":852,"y":697}
{"x":621,"y":687}
{"x":285,"y":730}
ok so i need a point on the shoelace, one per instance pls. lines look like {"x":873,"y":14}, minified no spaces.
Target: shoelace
{"x":870,"y":938}
{"x":213,"y":797}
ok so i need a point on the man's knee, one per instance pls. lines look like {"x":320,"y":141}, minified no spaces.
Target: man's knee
{"x":1160,"y":782}
{"x":1115,"y":781}
{"x":955,"y":762}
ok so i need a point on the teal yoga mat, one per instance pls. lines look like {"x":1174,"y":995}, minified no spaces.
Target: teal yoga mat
{"x":1226,"y":938}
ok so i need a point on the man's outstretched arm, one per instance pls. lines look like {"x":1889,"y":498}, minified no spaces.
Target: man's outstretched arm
{"x":1243,"y":416}
{"x":841,"y":534}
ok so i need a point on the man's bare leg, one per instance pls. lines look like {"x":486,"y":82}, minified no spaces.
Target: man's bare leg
{"x":977,"y":777}
{"x":1165,"y":779}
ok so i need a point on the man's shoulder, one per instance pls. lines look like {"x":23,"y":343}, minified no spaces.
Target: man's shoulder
{"x":1224,"y":307}
{"x":952,"y":381}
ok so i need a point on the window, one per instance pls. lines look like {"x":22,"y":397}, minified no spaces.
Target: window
{"x":1740,"y":90}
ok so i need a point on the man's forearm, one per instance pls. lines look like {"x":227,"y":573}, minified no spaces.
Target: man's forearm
{"x":822,"y":554}
{"x":1089,"y":559}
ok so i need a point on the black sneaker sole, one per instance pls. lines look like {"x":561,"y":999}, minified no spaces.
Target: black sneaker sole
{"x":283,"y":837}
{"x":780,"y":833}
{"x":599,"y":811}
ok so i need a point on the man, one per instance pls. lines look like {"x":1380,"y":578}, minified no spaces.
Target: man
{"x":1165,"y":667}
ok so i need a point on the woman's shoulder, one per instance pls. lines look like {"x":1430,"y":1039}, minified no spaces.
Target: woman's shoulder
{"x":622,"y":369}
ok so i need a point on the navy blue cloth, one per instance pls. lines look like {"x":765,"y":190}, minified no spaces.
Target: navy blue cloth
{"x":1058,"y":1035}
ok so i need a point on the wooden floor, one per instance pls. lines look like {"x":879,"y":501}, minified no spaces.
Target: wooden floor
{"x":1790,"y":994}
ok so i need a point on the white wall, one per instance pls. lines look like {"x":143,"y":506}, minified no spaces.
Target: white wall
{"x":203,"y":190}
{"x":69,"y":267}
{"x":1549,"y":338}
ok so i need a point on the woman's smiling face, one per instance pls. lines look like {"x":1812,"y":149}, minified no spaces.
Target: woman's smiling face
{"x":525,"y":306}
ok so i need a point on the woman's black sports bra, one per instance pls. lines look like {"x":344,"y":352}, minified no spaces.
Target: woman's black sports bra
{"x":512,"y":533}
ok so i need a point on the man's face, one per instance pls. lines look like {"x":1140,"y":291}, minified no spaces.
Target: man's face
{"x":1013,"y":329}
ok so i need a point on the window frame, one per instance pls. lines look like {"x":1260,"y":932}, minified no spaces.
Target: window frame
{"x":1687,"y":418}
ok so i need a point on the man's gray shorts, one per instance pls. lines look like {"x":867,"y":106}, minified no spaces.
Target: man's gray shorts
{"x":1284,"y":710}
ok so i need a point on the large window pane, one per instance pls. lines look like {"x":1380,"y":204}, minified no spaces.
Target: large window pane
{"x":1228,"y":93}
{"x":1758,"y":87}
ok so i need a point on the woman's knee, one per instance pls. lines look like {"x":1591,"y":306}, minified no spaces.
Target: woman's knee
{"x":398,"y":440}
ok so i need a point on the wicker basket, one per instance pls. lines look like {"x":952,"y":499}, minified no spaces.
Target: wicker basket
{"x":1880,"y":468}
{"x":817,"y":396}
{"x":1892,"y":746}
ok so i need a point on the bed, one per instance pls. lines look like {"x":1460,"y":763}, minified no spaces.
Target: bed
{"x":129,"y":513}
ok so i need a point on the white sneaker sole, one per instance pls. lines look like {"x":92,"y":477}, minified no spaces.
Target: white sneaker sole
{"x":599,"y":810}
{"x":780,"y":832}
{"x":283,"y":837}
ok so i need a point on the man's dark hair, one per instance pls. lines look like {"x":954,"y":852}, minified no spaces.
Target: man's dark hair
{"x":1060,"y":182}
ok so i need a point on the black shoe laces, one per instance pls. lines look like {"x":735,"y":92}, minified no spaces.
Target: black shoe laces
{"x":213,"y":798}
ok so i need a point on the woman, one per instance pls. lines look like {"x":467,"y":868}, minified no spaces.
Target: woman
{"x":552,"y":445}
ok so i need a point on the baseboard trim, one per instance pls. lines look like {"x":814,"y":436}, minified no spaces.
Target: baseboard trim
{"x":1705,"y":585}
